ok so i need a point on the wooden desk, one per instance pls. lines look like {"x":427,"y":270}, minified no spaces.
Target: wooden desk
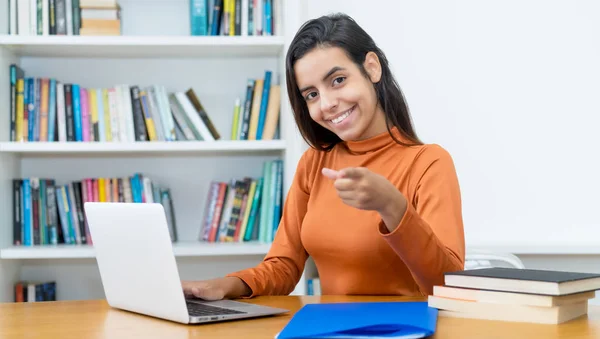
{"x":95,"y":319}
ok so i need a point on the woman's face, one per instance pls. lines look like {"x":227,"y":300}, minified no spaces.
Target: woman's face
{"x":338,"y":96}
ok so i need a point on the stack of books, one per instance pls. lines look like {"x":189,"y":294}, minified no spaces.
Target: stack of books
{"x":519,"y":295}
{"x":100,"y":17}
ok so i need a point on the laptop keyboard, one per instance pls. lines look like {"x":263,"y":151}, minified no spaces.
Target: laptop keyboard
{"x":195,"y":309}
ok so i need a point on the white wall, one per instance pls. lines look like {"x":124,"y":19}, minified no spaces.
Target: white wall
{"x":510,"y":88}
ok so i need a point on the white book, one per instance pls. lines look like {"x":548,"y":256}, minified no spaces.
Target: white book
{"x":23,"y":17}
{"x":147,"y":190}
{"x":69,"y":15}
{"x":128,"y":109}
{"x":193,"y":116}
{"x":245,"y":17}
{"x":188,"y":131}
{"x":13,"y":17}
{"x":33,"y":17}
{"x":169,"y":114}
{"x":45,"y":17}
{"x":156,"y":115}
{"x":277,"y":17}
{"x":60,"y":112}
{"x":121,"y":113}
{"x":258,"y":17}
{"x":166,"y":117}
{"x":114,"y":114}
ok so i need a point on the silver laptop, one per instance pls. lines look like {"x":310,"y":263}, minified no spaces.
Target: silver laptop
{"x":138,"y":268}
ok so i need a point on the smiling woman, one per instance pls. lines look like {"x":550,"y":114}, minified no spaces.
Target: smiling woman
{"x":377,"y":210}
{"x":334,"y":72}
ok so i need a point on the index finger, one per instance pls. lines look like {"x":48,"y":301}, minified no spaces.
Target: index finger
{"x":351,"y":172}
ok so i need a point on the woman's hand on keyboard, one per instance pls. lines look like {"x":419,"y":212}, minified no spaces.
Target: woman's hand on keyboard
{"x":216,"y":289}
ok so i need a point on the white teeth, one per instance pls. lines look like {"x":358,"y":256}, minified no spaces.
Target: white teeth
{"x":342,"y":117}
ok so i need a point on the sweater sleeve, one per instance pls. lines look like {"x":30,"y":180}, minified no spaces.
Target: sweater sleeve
{"x":430,"y":236}
{"x":282,"y":267}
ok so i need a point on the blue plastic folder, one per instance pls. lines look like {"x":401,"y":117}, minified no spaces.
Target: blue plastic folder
{"x":362,"y":320}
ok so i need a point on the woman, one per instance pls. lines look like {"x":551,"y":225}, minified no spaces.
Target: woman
{"x":378,"y":211}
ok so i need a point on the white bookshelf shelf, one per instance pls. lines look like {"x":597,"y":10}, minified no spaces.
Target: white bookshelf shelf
{"x":183,"y":249}
{"x":149,"y":148}
{"x":142,"y":46}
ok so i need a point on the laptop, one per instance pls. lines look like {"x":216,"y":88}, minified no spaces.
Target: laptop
{"x":138,"y":268}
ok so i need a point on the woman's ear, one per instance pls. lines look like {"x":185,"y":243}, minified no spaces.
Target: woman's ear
{"x":373,"y":67}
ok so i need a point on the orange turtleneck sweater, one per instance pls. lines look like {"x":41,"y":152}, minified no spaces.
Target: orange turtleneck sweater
{"x":353,"y":251}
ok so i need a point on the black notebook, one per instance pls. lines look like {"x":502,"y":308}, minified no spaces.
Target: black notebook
{"x":531,"y":281}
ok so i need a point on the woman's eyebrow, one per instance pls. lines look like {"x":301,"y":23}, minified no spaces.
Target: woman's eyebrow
{"x":327,"y":75}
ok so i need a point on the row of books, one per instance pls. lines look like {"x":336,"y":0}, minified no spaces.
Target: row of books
{"x":63,"y":17}
{"x":236,"y":17}
{"x":46,"y":110}
{"x":48,"y":213}
{"x":32,"y":291}
{"x":515,"y":295}
{"x":245,"y":209}
{"x":257,"y":116}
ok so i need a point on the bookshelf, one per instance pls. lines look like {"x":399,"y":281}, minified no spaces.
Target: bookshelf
{"x":216,"y":67}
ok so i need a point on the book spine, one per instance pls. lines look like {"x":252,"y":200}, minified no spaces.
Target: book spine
{"x":77,"y":112}
{"x":27,"y":214}
{"x":76,"y":17}
{"x":31,"y":108}
{"x":35,"y":212}
{"x":85,"y":114}
{"x":44,"y":108}
{"x":52,"y":111}
{"x":52,"y":16}
{"x":70,"y":123}
{"x":263,"y":105}
{"x":38,"y":108}
{"x":61,"y":112}
{"x":17,"y":207}
{"x":52,"y":217}
{"x":13,"y":101}
{"x":139,"y":125}
{"x":254,"y":211}
{"x":42,"y":213}
{"x":20,"y":111}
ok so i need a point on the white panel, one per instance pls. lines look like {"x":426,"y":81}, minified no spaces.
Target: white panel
{"x":166,"y":17}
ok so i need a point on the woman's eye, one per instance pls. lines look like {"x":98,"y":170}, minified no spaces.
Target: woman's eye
{"x":310,"y":95}
{"x":338,"y":80}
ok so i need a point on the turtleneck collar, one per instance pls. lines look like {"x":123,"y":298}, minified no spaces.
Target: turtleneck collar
{"x":374,"y":143}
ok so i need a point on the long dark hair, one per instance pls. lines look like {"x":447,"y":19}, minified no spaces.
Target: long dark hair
{"x":340,"y":30}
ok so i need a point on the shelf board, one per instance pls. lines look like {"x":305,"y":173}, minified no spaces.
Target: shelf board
{"x":140,"y":148}
{"x":183,"y":249}
{"x":143,"y":46}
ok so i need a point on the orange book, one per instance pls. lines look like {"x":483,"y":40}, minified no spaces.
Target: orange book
{"x":272,"y":113}
{"x":44,"y":105}
{"x":19,"y":136}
